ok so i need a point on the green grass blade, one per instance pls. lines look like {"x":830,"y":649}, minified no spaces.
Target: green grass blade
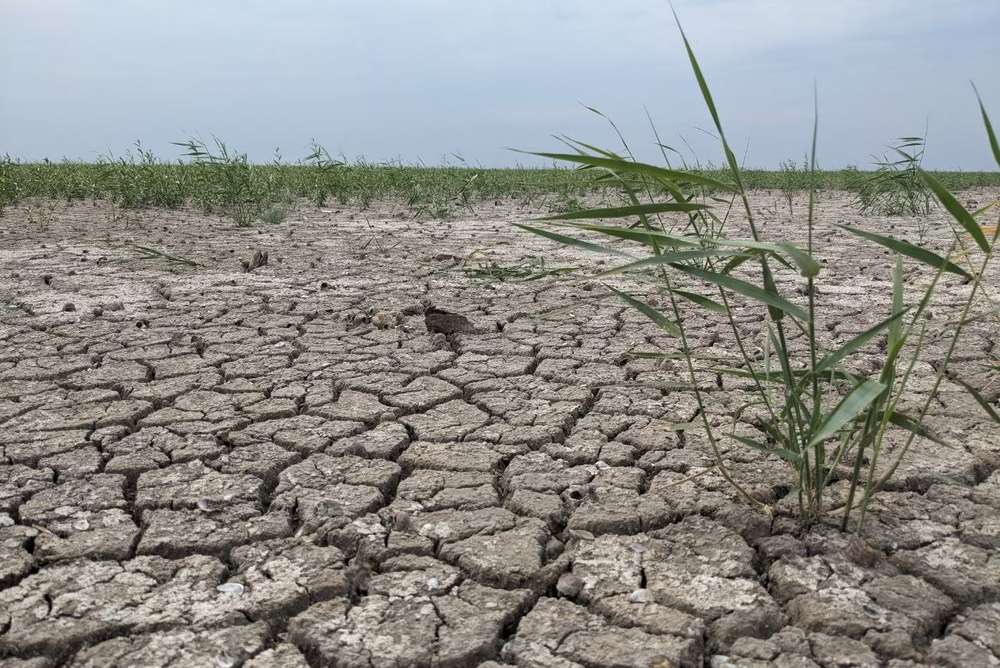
{"x":730,"y":266}
{"x":645,"y":237}
{"x":774,"y":431}
{"x":905,"y":422}
{"x":896,"y":327}
{"x":661,"y":320}
{"x":760,"y":375}
{"x":994,"y":145}
{"x":769,"y":297}
{"x":572,"y":241}
{"x":848,"y":409}
{"x":957,"y":211}
{"x":984,"y":209}
{"x":668,"y":258}
{"x":830,"y":360}
{"x":656,"y":356}
{"x":772,"y":289}
{"x":702,"y":84}
{"x":628,"y":211}
{"x":837,"y":375}
{"x":151,"y":253}
{"x":980,"y":399}
{"x":670,"y":176}
{"x":575,"y":144}
{"x":807,"y":265}
{"x":701,"y":300}
{"x":706,"y":94}
{"x":909,"y":250}
{"x":783,"y":453}
{"x":558,"y":271}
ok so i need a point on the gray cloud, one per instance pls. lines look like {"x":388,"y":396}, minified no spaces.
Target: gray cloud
{"x":420,"y":79}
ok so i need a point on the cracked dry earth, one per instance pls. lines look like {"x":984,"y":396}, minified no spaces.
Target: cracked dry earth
{"x":207,"y":467}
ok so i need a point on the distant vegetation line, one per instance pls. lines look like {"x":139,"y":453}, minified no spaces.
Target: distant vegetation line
{"x":223,"y":181}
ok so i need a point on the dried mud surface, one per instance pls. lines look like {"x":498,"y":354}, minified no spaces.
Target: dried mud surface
{"x":285,"y":467}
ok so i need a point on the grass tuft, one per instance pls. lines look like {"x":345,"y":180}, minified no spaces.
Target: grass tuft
{"x":895,"y":187}
{"x":824,"y":420}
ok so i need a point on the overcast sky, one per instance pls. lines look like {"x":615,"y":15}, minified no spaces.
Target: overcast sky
{"x":419,"y":80}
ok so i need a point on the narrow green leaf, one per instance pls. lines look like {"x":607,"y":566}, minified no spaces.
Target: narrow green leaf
{"x":571,"y":241}
{"x":701,"y":300}
{"x":783,"y":453}
{"x":807,"y":265}
{"x":706,"y":94}
{"x":575,"y":144}
{"x":957,"y":211}
{"x":734,"y":263}
{"x":661,"y":320}
{"x":982,"y":315}
{"x":743,"y":373}
{"x":148,"y":252}
{"x":905,"y":422}
{"x":980,"y":399}
{"x":558,"y":271}
{"x":668,"y":258}
{"x":643,"y":218}
{"x":773,"y":430}
{"x":849,"y":408}
{"x":627,"y":211}
{"x":771,"y":289}
{"x":831,"y":359}
{"x":702,"y":84}
{"x":982,"y":210}
{"x":769,"y":297}
{"x":909,"y":250}
{"x":994,"y":145}
{"x":896,"y":328}
{"x":646,"y":237}
{"x":628,"y":166}
{"x":831,"y":376}
{"x":656,"y":355}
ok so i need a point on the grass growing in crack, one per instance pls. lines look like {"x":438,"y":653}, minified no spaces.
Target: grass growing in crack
{"x":895,"y":188}
{"x":377,"y":240}
{"x":274,"y":214}
{"x":794,"y":179}
{"x":493,"y":271}
{"x":230,"y":182}
{"x":824,"y":420}
{"x":148,"y":253}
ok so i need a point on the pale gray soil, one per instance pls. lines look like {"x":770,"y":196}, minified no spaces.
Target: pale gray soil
{"x":207,"y":467}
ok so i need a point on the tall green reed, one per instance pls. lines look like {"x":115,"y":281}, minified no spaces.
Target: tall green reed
{"x":895,"y":187}
{"x":231,"y":182}
{"x":826,"y":421}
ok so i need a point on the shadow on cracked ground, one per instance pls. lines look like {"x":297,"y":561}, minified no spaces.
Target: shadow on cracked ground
{"x":202,"y":466}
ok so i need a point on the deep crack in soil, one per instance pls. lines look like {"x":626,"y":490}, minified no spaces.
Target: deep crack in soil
{"x":285,"y":467}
